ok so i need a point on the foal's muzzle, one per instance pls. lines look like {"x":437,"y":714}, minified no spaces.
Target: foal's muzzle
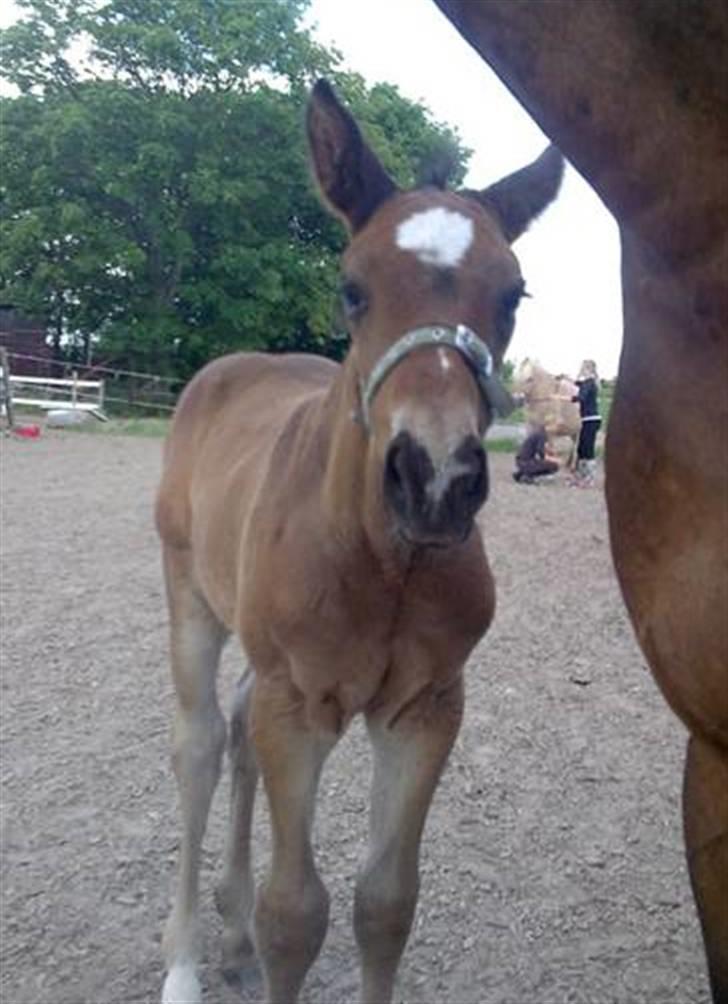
{"x":435,"y":506}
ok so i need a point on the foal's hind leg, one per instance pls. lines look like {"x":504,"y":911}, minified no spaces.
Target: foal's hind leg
{"x":408,"y":760}
{"x":705,"y":808}
{"x":199,"y":739}
{"x":236,"y":893}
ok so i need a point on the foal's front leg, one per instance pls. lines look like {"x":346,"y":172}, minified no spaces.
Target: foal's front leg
{"x":292,"y":907}
{"x":236,"y":892}
{"x":408,"y":759}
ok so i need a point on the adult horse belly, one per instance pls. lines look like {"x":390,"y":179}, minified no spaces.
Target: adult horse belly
{"x":684,"y":634}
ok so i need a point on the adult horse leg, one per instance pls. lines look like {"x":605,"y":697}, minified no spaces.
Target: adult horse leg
{"x":705,"y":809}
{"x":292,"y":907}
{"x":197,"y":638}
{"x":236,"y":893}
{"x":409,"y":756}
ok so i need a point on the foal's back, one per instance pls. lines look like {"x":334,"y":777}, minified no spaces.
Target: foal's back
{"x":242,"y":426}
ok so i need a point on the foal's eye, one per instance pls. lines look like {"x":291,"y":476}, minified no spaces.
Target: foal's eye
{"x":353,"y":298}
{"x":512,"y":297}
{"x":506,"y":313}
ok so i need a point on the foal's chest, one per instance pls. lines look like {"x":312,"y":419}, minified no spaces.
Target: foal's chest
{"x":350,"y":643}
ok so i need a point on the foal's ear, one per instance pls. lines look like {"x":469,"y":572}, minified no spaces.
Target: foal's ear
{"x":518,"y":199}
{"x":352,"y":180}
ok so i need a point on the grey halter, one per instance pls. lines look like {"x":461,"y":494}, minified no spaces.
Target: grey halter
{"x":473,"y":350}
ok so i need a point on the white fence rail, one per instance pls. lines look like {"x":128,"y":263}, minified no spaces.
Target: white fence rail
{"x":54,"y":393}
{"x":130,"y":389}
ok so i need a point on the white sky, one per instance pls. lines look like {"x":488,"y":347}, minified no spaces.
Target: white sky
{"x":570,"y":257}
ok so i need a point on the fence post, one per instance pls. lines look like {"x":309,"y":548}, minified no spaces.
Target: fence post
{"x":74,"y":389}
{"x":102,"y":390}
{"x":6,"y":395}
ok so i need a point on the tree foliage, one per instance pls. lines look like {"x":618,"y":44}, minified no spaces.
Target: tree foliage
{"x":155,"y":194}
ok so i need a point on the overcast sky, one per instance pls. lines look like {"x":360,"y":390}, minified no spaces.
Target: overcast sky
{"x":570,"y":257}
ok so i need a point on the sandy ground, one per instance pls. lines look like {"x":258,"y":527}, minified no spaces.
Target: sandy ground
{"x":552,"y":863}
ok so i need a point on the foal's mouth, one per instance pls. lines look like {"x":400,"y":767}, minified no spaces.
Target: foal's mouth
{"x":438,"y":541}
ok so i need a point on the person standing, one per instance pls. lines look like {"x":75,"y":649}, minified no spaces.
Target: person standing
{"x":587,"y":398}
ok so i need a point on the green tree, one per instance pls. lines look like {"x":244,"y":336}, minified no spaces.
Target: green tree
{"x":161,"y":45}
{"x":162,"y":204}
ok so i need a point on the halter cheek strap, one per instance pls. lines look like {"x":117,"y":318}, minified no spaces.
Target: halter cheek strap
{"x":474,"y":351}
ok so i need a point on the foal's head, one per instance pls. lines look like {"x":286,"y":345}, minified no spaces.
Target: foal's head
{"x":429,"y":289}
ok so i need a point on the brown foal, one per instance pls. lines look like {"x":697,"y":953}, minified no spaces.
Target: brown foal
{"x":325,"y":514}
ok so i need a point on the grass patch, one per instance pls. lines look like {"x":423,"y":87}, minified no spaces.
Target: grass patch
{"x":154,"y":428}
{"x":151,"y":428}
{"x":501,"y":445}
{"x":148,"y":428}
{"x":517,"y":417}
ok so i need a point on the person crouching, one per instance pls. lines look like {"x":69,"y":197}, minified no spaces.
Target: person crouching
{"x":531,"y":459}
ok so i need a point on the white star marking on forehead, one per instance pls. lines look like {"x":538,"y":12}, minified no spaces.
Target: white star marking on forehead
{"x":437,"y":236}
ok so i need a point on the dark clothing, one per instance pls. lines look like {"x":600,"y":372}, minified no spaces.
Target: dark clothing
{"x":529,"y":470}
{"x":533,"y":447}
{"x":588,"y":438}
{"x":531,"y":458}
{"x":588,"y":398}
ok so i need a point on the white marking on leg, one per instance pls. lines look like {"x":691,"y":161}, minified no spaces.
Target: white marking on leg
{"x":437,"y":236}
{"x":182,"y":985}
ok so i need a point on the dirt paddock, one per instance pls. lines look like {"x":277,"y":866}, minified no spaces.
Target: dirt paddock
{"x":552,"y":867}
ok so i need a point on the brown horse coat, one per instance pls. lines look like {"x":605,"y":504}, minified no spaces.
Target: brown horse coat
{"x":325,"y":514}
{"x":636,"y":95}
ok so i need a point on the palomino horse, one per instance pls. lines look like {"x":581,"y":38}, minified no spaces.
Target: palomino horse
{"x":547,"y":401}
{"x":636,"y":95}
{"x":325,"y":514}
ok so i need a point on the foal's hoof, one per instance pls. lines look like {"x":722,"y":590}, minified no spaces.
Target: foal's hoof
{"x":243,"y":978}
{"x":182,"y":986}
{"x":239,"y":962}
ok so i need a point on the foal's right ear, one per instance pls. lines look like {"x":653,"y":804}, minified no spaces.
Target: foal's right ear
{"x":523,"y":195}
{"x":351,"y":179}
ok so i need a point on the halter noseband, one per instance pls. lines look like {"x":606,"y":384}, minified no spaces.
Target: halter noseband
{"x":474,"y":351}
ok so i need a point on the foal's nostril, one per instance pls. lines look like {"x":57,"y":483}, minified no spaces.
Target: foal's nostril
{"x":393,"y":485}
{"x":406,"y":472}
{"x":475,"y":482}
{"x":393,"y":475}
{"x":470,"y":489}
{"x":435,"y":505}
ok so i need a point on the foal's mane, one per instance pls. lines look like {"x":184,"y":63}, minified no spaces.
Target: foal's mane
{"x":437,"y":169}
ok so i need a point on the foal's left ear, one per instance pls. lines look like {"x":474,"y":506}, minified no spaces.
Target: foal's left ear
{"x":519,"y":198}
{"x":352,"y":180}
